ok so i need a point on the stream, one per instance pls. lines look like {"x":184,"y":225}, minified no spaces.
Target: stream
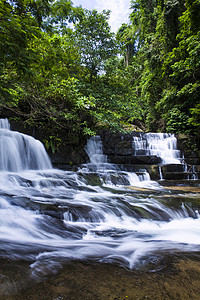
{"x":99,"y":213}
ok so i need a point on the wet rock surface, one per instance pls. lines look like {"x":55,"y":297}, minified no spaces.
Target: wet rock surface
{"x":117,"y":146}
{"x":119,"y":149}
{"x":190,"y":146}
{"x":179,"y":279}
{"x":145,"y":159}
{"x":52,"y":246}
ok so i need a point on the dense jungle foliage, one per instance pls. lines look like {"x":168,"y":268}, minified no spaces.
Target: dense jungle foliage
{"x":62,"y":69}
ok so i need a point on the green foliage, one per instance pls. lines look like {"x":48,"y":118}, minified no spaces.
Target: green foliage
{"x":95,"y":41}
{"x":52,"y":143}
{"x":181,"y":69}
{"x":126,"y":40}
{"x":59,"y":106}
{"x":16,"y":31}
{"x":168,"y":59}
{"x":62,"y":14}
{"x":17,"y":28}
{"x":143,"y":18}
{"x":71,"y":81}
{"x":195,"y":118}
{"x":177,"y":121}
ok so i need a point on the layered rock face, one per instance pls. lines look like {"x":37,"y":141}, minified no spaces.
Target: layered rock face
{"x":162,"y":155}
{"x":120,"y":149}
{"x":135,"y":149}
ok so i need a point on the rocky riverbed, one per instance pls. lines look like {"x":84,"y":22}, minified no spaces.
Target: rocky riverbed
{"x":101,"y":231}
{"x":180,"y":279}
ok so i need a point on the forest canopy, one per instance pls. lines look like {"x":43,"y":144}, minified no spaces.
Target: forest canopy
{"x":61,"y":67}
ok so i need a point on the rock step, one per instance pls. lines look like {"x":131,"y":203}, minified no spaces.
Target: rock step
{"x":134,"y":160}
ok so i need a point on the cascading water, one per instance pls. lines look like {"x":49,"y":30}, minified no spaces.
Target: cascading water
{"x":19,"y":152}
{"x":94,"y":150}
{"x":110,"y":173}
{"x":163,"y":145}
{"x":50,"y":217}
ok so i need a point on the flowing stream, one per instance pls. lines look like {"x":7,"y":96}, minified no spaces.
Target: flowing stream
{"x":163,"y":145}
{"x":50,"y":216}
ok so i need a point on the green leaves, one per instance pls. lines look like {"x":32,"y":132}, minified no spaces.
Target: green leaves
{"x":194,"y":120}
{"x":177,"y":121}
{"x":16,"y":30}
{"x":182,"y":71}
{"x":168,"y":57}
{"x":95,"y":41}
{"x":71,"y":82}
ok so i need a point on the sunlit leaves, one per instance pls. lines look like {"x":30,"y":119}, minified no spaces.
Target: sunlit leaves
{"x":94,"y":40}
{"x":195,"y":118}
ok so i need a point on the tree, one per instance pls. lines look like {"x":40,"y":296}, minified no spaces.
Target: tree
{"x":127,"y":42}
{"x":143,"y":18}
{"x":17,"y":29}
{"x":62,"y":13}
{"x":95,"y":41}
{"x":155,"y":26}
{"x":182,"y":70}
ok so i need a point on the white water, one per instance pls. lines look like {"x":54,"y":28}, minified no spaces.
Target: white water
{"x":94,"y":150}
{"x":163,"y":145}
{"x":51,"y":216}
{"x":19,"y":152}
{"x":108,"y":172}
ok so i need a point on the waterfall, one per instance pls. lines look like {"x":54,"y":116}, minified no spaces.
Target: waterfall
{"x":163,"y":145}
{"x":49,"y":216}
{"x":112,"y":174}
{"x":4,"y":124}
{"x":20,"y":152}
{"x":94,"y":150}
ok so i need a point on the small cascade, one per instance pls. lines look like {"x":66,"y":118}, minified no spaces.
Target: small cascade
{"x":111,"y":174}
{"x":20,"y":152}
{"x":4,"y":124}
{"x":160,"y":173}
{"x":194,"y":174}
{"x":190,"y":170}
{"x":163,"y":145}
{"x":94,"y":150}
